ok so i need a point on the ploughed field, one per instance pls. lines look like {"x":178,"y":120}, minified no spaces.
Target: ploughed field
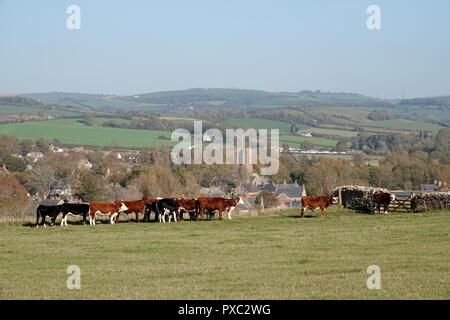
{"x":274,"y":256}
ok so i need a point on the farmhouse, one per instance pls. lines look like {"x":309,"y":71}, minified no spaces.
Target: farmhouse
{"x":289,"y":195}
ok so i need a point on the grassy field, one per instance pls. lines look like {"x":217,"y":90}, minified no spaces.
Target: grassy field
{"x":71,"y":131}
{"x":264,"y":124}
{"x":14,"y":109}
{"x":336,"y":132}
{"x":264,"y":257}
{"x":410,"y":125}
{"x":294,"y":141}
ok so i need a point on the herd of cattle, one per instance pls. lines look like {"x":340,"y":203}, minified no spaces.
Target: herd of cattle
{"x":163,"y":209}
{"x":174,"y":208}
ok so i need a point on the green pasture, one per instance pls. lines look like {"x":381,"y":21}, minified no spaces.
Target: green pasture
{"x":276,"y":256}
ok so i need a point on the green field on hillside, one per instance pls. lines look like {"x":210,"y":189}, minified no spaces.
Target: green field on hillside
{"x":403,"y":124}
{"x":71,"y":131}
{"x":264,"y":124}
{"x":336,"y":132}
{"x":14,"y":109}
{"x":294,"y":141}
{"x":263,"y":257}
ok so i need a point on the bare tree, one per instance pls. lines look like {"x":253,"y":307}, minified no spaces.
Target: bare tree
{"x":42,"y":179}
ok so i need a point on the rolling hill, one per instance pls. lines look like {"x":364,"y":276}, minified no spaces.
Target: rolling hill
{"x":238,"y":98}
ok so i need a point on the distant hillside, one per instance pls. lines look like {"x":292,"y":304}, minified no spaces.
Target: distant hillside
{"x":62,"y":98}
{"x":442,"y":101}
{"x":257,"y":98}
{"x":237,"y":98}
{"x":18,"y":100}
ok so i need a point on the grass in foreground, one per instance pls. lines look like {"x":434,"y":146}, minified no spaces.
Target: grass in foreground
{"x":264,"y":257}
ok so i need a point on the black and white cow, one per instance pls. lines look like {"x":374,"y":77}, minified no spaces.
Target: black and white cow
{"x":79,"y":209}
{"x":50,"y":208}
{"x":167,"y":207}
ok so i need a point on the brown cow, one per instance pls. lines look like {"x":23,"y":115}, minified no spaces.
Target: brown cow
{"x":220,"y":204}
{"x":384,"y":199}
{"x":322,"y":202}
{"x":136,"y":207}
{"x":111,"y":209}
{"x":187,"y":205}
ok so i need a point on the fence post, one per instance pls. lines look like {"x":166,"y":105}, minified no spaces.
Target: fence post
{"x":340,"y":196}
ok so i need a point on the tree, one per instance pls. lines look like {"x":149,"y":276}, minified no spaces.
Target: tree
{"x":379,"y":115}
{"x":42,"y":179}
{"x":298,"y":176}
{"x":89,"y":186}
{"x":42,"y":145}
{"x":341,"y":146}
{"x":269,"y":198}
{"x":88,"y":119}
{"x":25,"y":147}
{"x":294,"y":128}
{"x":13,"y":196}
{"x":306,"y":145}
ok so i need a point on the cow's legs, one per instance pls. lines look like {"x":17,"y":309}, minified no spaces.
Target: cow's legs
{"x":62,"y":220}
{"x":302,"y":210}
{"x":200,"y":214}
{"x":43,"y":220}
{"x":229,"y":212}
{"x":174,"y":216}
{"x":322,"y":213}
{"x":137,"y":216}
{"x":112,"y":218}
{"x":92,"y":219}
{"x":386,"y":208}
{"x":37,"y":220}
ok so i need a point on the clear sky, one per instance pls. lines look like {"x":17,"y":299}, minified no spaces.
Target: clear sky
{"x":131,"y":47}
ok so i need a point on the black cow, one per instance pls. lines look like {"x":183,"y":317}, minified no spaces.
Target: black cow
{"x":80,"y":209}
{"x":48,"y":208}
{"x":151,"y":206}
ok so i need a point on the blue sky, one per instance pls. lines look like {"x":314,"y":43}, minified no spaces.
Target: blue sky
{"x":131,"y":47}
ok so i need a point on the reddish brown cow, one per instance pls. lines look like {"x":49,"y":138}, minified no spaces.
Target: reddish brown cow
{"x":187,"y":205}
{"x":111,"y":209}
{"x":383,"y":199}
{"x":219,"y":204}
{"x":136,"y":207}
{"x":322,"y":202}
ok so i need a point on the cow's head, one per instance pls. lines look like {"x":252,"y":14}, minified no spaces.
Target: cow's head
{"x":121,"y":205}
{"x":392,"y":197}
{"x":334,"y":200}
